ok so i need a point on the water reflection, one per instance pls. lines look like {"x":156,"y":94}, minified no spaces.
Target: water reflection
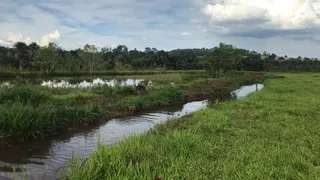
{"x":94,"y":82}
{"x":246,"y":90}
{"x":76,"y":83}
{"x":55,"y":152}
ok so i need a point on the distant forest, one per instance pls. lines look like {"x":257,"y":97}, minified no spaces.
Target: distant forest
{"x":217,"y":60}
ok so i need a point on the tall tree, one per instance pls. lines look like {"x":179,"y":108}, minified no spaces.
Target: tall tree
{"x":90,"y":55}
{"x":21,"y":52}
{"x":32,"y":49}
{"x":47,"y":58}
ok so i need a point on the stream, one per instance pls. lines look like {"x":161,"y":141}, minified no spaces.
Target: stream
{"x":55,"y":152}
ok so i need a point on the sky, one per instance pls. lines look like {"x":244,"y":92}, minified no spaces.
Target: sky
{"x":284,"y":27}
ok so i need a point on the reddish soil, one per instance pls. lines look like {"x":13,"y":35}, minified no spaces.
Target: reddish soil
{"x":220,"y":82}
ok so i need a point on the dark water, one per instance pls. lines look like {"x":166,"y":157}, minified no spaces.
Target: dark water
{"x":78,"y":83}
{"x":54,"y":153}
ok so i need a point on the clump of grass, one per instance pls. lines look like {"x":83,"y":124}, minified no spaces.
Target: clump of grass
{"x":155,"y":97}
{"x":24,"y":121}
{"x":106,"y":90}
{"x":24,"y":94}
{"x":272,"y":134}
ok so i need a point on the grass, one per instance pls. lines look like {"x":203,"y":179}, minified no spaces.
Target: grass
{"x":157,"y":97}
{"x":21,"y":121}
{"x":272,"y":134}
{"x":158,"y":78}
{"x":28,"y":112}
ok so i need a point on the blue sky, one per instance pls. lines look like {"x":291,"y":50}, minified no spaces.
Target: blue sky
{"x":286,"y":27}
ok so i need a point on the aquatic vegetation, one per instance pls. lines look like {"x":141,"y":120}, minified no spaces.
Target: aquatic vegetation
{"x":106,"y":90}
{"x":156,"y":97}
{"x":24,"y":121}
{"x":271,"y":134}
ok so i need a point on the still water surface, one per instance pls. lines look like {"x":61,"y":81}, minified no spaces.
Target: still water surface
{"x":54,"y":153}
{"x":77,"y":83}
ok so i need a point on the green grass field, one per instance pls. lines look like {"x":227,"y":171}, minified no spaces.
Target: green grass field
{"x":272,"y":134}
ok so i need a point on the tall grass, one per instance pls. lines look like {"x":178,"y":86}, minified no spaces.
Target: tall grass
{"x":28,"y":112}
{"x":272,"y":134}
{"x":24,"y":121}
{"x":23,"y":94}
{"x":155,"y":97}
{"x":106,"y":90}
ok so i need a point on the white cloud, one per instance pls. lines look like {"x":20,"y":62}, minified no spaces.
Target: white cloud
{"x":283,"y":14}
{"x":49,"y":38}
{"x":18,"y":38}
{"x":154,"y":23}
{"x":13,"y":38}
{"x":233,"y":11}
{"x":5,"y":42}
{"x":186,"y":34}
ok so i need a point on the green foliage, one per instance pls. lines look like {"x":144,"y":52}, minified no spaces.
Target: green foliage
{"x":272,"y":134}
{"x":23,"y":94}
{"x":217,"y":60}
{"x":23,"y":121}
{"x":47,"y":58}
{"x":10,"y":74}
{"x":155,"y":97}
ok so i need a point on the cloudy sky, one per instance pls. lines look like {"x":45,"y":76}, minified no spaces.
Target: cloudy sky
{"x":285,"y":27}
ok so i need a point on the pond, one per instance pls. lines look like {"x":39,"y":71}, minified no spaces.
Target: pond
{"x":80,"y":83}
{"x":55,"y":152}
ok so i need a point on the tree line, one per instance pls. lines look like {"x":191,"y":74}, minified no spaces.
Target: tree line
{"x":218,"y":60}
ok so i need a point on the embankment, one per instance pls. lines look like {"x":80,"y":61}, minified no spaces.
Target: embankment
{"x":272,"y":134}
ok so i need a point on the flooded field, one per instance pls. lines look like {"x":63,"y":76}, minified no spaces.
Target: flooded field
{"x":54,"y":153}
{"x":80,"y":83}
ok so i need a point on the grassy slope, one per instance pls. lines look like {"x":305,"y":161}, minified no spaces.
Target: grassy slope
{"x":272,"y":134}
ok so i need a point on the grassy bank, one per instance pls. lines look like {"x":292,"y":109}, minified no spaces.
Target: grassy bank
{"x":272,"y":134}
{"x":30,"y":113}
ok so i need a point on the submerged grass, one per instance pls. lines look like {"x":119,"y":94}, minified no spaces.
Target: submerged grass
{"x":272,"y":134}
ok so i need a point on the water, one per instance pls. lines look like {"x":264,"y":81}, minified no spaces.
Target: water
{"x":246,"y":90}
{"x":76,"y":83}
{"x":54,"y":153}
